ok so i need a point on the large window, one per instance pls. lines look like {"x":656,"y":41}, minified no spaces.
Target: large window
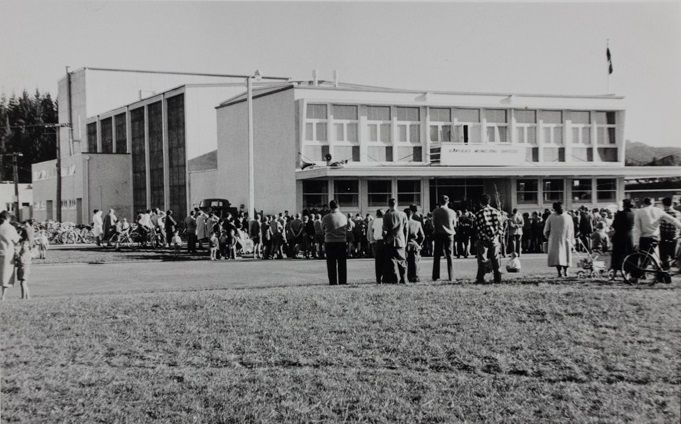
{"x":315,"y":194}
{"x":408,"y":124}
{"x":139,"y":164}
{"x":580,"y":127}
{"x":92,"y":137}
{"x":106,"y":126}
{"x":466,"y":127}
{"x":527,"y":191}
{"x":408,"y":192}
{"x":605,"y":128}
{"x":606,"y":189}
{"x":345,"y":123}
{"x":554,"y":154}
{"x":582,"y":192}
{"x":379,"y":191}
{"x":155,"y":128}
{"x":552,"y":126}
{"x":346,"y":193}
{"x":121,"y":134}
{"x":316,"y":123}
{"x":497,"y":125}
{"x":526,"y":126}
{"x":378,"y":123}
{"x":176,"y":156}
{"x":554,"y":189}
{"x":440,"y":124}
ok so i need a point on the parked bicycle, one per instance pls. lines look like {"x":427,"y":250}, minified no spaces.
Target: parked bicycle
{"x":644,"y":267}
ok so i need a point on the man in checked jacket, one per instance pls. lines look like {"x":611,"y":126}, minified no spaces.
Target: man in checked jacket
{"x":489,"y":228}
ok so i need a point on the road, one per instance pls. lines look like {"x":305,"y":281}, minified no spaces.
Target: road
{"x":49,"y":280}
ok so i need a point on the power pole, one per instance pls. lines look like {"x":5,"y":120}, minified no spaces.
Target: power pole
{"x":15,"y":172}
{"x":58,"y":200}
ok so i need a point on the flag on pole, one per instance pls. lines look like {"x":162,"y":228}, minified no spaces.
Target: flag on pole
{"x":609,"y":58}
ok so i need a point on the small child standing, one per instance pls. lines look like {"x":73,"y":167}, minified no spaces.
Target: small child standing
{"x":176,"y":241}
{"x":22,"y":263}
{"x":214,"y":243}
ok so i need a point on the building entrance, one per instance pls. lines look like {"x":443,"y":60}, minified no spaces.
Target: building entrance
{"x":464,"y":193}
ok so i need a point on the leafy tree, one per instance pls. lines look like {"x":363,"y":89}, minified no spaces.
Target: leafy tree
{"x":26,"y":115}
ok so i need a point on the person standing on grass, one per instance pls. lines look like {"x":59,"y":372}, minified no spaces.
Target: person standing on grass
{"x":97,"y":226}
{"x":623,"y":237}
{"x":647,"y":224}
{"x":170,"y":225}
{"x":489,"y":230}
{"x":335,"y":226}
{"x":415,"y":238}
{"x":444,"y":224}
{"x":190,"y":226}
{"x":22,"y":262}
{"x":110,"y":221}
{"x":560,"y":233}
{"x":8,"y":241}
{"x":201,"y":228}
{"x":375,"y":234}
{"x":254,"y":232}
{"x":319,"y":236}
{"x":516,"y":224}
{"x":669,"y":236}
{"x":395,"y":243}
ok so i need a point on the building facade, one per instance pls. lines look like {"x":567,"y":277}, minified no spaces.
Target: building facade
{"x":526,"y":151}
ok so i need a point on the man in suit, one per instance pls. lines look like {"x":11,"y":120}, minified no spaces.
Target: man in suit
{"x":415,"y":237}
{"x":395,"y":243}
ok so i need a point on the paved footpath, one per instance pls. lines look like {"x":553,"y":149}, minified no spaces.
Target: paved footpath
{"x":50,"y":280}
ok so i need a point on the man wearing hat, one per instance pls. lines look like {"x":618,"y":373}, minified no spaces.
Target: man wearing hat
{"x":444,"y":223}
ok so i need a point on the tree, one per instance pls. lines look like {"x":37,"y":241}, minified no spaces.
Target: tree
{"x":27,"y":116}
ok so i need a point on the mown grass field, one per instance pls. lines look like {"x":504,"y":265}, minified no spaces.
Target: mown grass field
{"x":377,"y":354}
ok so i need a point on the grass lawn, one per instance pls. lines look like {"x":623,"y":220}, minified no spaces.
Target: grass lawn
{"x":378,"y":354}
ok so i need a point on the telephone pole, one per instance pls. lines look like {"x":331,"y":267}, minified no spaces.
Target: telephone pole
{"x":57,"y":127}
{"x":15,"y":173}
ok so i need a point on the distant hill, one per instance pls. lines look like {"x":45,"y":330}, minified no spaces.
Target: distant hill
{"x":204,"y":162}
{"x":638,"y":154}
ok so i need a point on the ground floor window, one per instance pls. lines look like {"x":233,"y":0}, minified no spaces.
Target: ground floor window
{"x":606,"y":189}
{"x":527,"y":191}
{"x":408,"y":192}
{"x":379,"y":192}
{"x":315,"y":194}
{"x":582,"y":191}
{"x":346,"y":193}
{"x":553,"y":190}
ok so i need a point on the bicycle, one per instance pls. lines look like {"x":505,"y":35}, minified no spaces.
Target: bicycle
{"x":644,"y":265}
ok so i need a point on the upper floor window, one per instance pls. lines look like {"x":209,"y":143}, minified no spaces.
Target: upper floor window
{"x":497,"y":125}
{"x":440,"y":124}
{"x":345,"y":123}
{"x":378,"y":123}
{"x":580,"y":122}
{"x":526,"y":126}
{"x":408,"y":124}
{"x":605,"y":127}
{"x":92,"y":137}
{"x":316,"y":123}
{"x":466,"y":127}
{"x":552,"y":126}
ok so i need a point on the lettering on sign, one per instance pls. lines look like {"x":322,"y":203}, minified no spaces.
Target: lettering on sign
{"x":483,"y":155}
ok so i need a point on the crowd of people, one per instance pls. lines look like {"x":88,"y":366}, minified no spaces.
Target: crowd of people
{"x":16,"y":253}
{"x":488,"y":234}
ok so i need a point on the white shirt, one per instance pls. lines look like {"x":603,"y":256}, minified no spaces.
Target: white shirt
{"x":8,"y":239}
{"x":647,"y":222}
{"x":376,"y":230}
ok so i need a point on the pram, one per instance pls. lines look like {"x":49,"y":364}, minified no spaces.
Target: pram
{"x":588,"y":263}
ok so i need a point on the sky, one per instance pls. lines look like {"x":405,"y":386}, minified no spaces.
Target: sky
{"x":537,"y":47}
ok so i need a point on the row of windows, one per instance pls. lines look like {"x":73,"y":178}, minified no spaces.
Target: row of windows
{"x":107,"y":126}
{"x":457,"y":125}
{"x":346,"y":193}
{"x":374,"y":153}
{"x":553,"y":190}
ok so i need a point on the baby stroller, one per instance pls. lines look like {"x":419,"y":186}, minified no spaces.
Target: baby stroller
{"x":588,"y":263}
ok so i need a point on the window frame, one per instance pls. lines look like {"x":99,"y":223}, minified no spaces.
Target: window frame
{"x":408,"y":124}
{"x":600,"y":181}
{"x":544,"y":190}
{"x":605,"y":129}
{"x":381,"y":126}
{"x":387,"y":193}
{"x":344,"y":122}
{"x":439,"y":126}
{"x":314,"y":122}
{"x":458,"y":133}
{"x":524,"y":191}
{"x":496,"y":128}
{"x":324,"y":195}
{"x":414,"y":194}
{"x":337,"y":194}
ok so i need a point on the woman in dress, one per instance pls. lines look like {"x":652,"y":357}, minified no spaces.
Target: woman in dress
{"x":559,"y":230}
{"x":623,"y":237}
{"x":8,"y":241}
{"x":97,"y":226}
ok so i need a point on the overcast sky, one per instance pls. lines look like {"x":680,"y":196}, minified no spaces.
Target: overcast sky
{"x":491,"y":47}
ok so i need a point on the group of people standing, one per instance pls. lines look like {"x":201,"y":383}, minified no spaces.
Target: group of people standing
{"x":16,"y":253}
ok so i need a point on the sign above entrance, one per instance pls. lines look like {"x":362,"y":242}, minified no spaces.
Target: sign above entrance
{"x":482,"y":155}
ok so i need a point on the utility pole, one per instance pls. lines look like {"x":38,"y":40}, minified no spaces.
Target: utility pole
{"x":15,"y":172}
{"x":57,"y":127}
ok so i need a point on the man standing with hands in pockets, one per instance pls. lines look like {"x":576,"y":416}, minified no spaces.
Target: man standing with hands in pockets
{"x":444,"y":223}
{"x":334,"y":225}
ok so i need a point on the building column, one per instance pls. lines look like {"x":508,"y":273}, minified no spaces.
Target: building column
{"x":425,"y":195}
{"x":363,"y":196}
{"x":299,"y":195}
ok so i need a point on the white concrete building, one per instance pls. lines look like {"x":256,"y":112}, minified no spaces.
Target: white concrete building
{"x":526,"y":151}
{"x":8,"y":198}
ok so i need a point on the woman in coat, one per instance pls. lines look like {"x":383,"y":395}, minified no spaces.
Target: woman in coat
{"x":170,"y":226}
{"x":8,"y":240}
{"x":97,"y":226}
{"x":560,"y":232}
{"x":623,"y":237}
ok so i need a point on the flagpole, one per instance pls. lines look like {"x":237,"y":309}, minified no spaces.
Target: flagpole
{"x":607,"y":49}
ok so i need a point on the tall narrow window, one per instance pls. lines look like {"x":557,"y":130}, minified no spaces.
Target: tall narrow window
{"x":176,"y":156}
{"x":526,"y":126}
{"x":440,"y":124}
{"x":605,"y":128}
{"x":408,"y":124}
{"x":121,"y":133}
{"x":345,"y":123}
{"x":155,"y":128}
{"x":139,"y":160}
{"x":379,"y":125}
{"x":552,"y":126}
{"x":580,"y":127}
{"x":316,"y":123}
{"x":106,"y":126}
{"x":467,"y":126}
{"x":92,"y":137}
{"x":497,"y":125}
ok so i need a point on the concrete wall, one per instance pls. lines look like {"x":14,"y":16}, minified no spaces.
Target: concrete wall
{"x":106,"y":178}
{"x":202,"y":185}
{"x":45,"y":188}
{"x":275,"y":148}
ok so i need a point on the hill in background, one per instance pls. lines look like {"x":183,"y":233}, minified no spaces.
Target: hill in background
{"x":638,"y":154}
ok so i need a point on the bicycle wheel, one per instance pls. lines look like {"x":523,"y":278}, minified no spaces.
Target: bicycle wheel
{"x":639,"y":267}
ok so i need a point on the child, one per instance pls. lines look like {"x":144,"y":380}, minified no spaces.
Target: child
{"x":232,"y":244}
{"x":176,"y":242}
{"x":22,"y":263}
{"x":599,"y":238}
{"x":224,"y":244}
{"x":513,"y":264}
{"x":214,"y":246}
{"x":42,"y":243}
